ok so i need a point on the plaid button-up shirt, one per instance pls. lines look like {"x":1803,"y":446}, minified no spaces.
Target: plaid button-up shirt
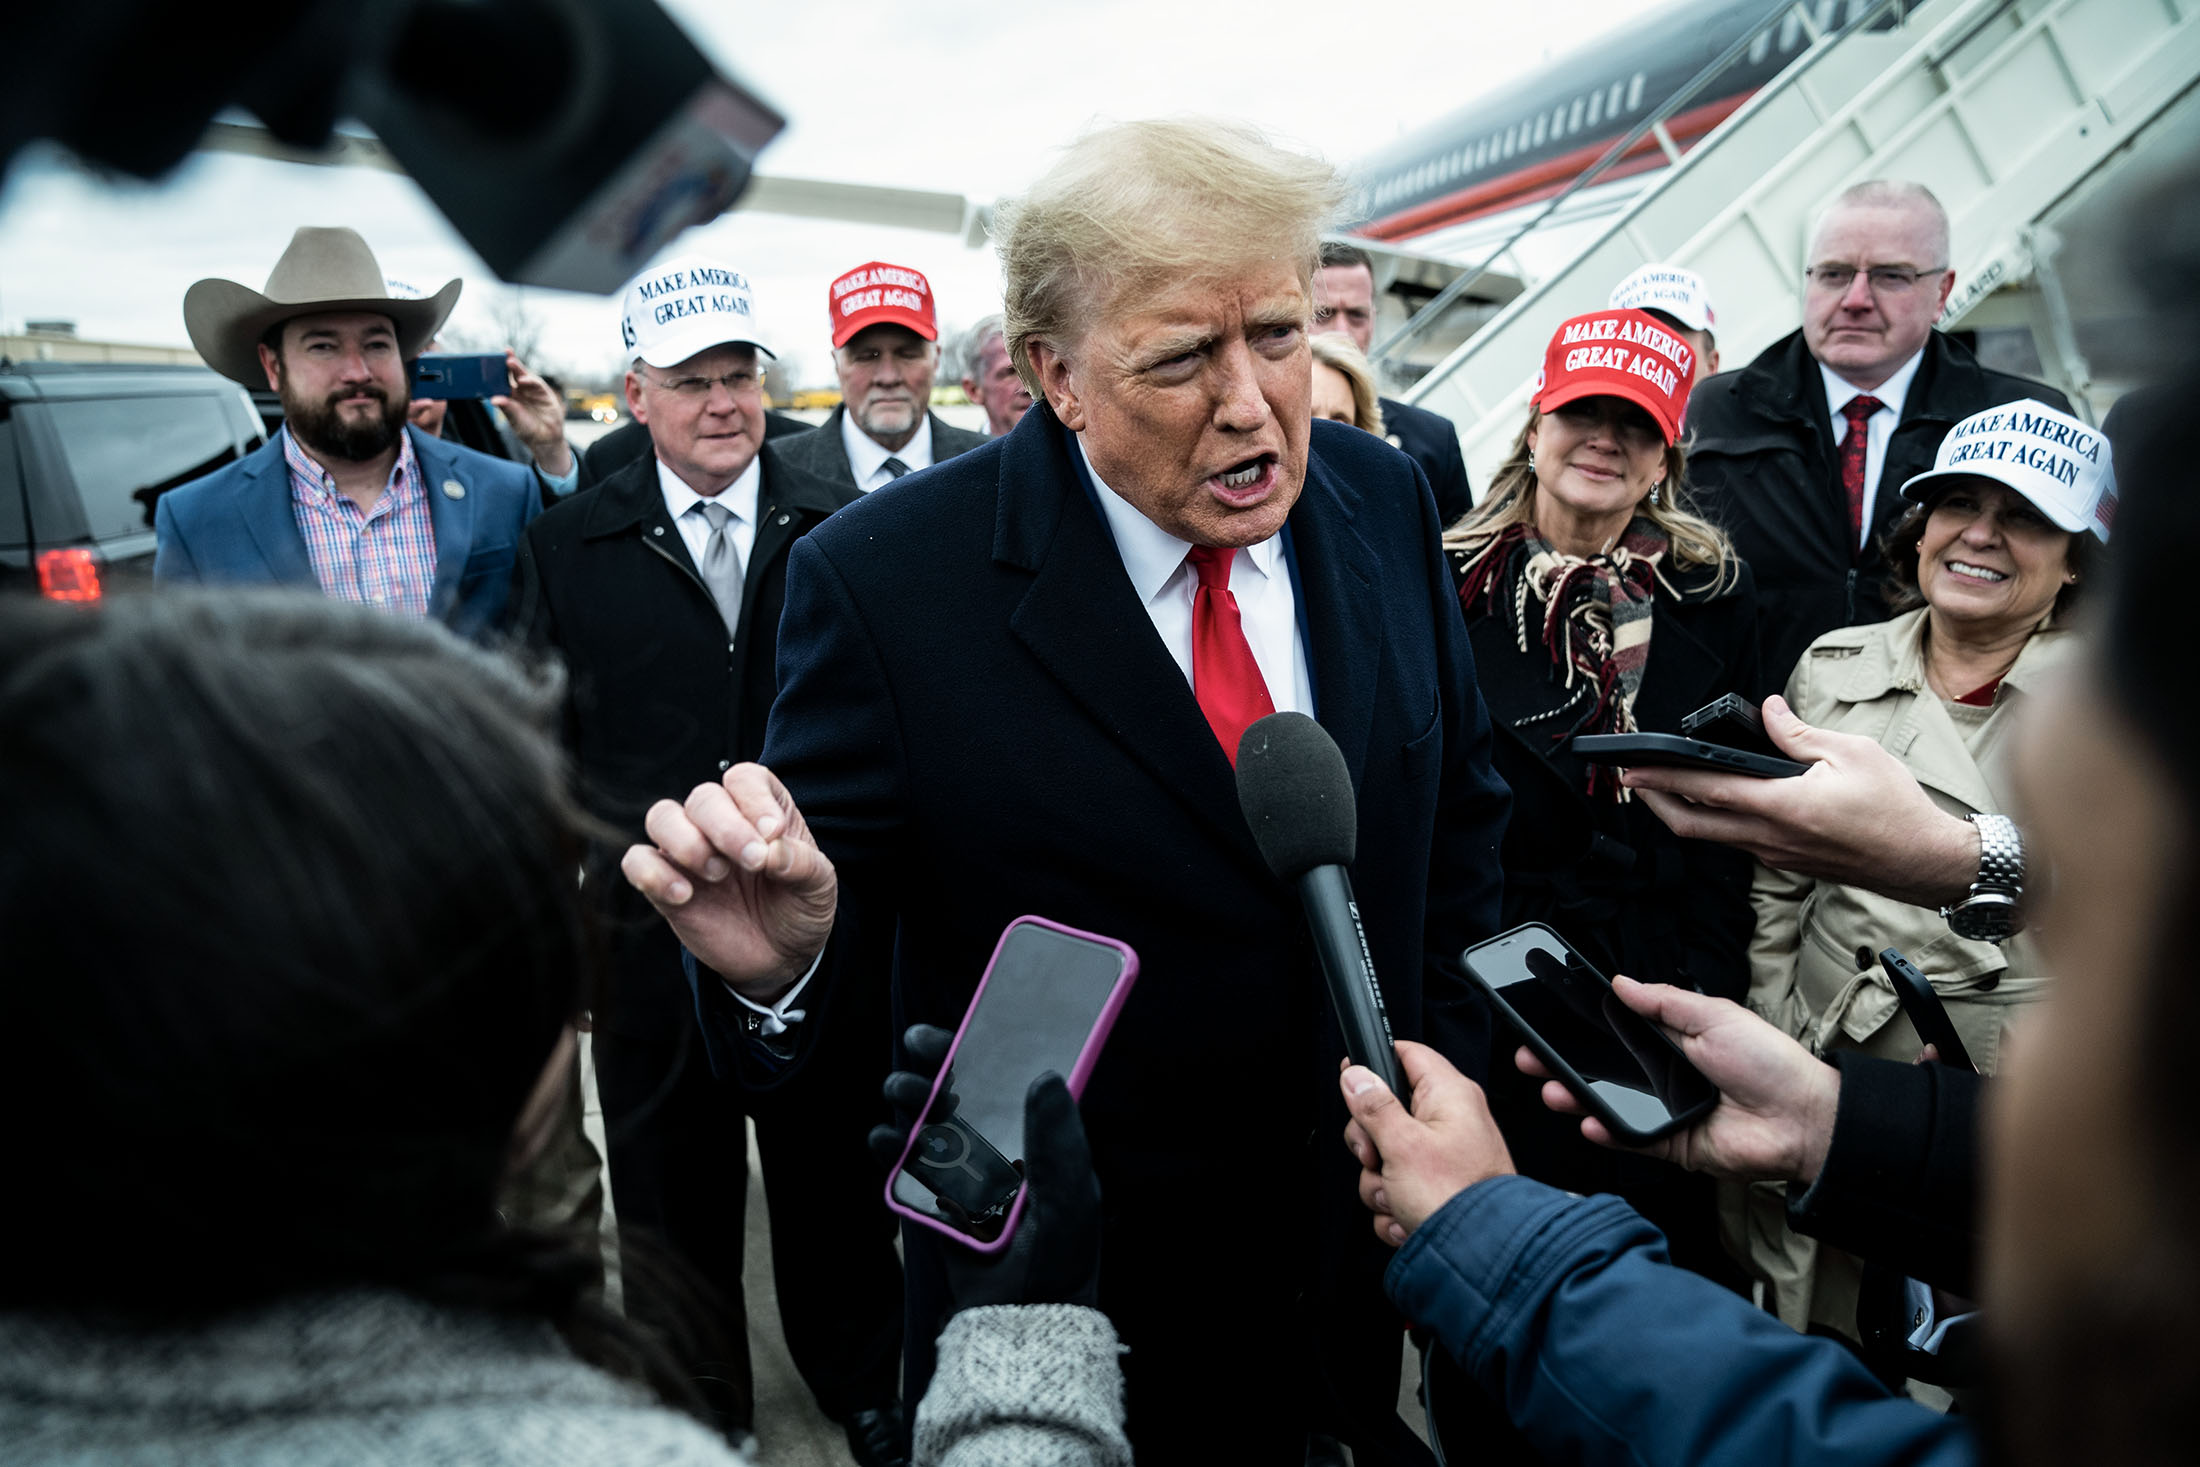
{"x":384,"y":557}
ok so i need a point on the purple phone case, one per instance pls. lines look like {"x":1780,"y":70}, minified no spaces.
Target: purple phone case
{"x":1087,"y":1057}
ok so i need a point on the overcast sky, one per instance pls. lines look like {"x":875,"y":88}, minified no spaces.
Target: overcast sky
{"x":966,"y":98}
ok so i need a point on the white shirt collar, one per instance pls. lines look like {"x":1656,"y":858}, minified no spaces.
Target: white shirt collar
{"x":1151,"y":555}
{"x":866,"y":457}
{"x":1891,"y":393}
{"x":739,"y":496}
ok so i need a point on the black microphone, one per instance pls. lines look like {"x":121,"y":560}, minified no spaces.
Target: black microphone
{"x":1297,"y":797}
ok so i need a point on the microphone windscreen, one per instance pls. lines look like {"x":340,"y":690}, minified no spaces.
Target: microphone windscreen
{"x":1296,"y":794}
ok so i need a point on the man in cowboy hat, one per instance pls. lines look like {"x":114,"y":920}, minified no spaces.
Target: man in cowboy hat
{"x":344,"y":497}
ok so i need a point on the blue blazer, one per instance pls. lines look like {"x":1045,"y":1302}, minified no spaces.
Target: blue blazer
{"x":979,"y":721}
{"x":236,"y":527}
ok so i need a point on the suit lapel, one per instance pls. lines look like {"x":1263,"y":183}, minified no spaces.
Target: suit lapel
{"x":264,"y":501}
{"x":788,"y":502}
{"x":1342,"y":608}
{"x":1084,"y":624}
{"x":453,"y":518}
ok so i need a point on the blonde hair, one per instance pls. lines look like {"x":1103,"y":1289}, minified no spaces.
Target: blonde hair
{"x":1343,"y":355}
{"x":1697,"y":543}
{"x":1147,"y":204}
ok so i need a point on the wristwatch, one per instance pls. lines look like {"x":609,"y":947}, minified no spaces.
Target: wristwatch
{"x":1994,"y":909}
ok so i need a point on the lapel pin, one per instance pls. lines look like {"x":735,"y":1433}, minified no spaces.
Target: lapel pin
{"x":452,"y":489}
{"x":785,"y":517}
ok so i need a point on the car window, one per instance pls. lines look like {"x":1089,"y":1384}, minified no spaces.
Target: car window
{"x":125,"y":452}
{"x":11,"y":486}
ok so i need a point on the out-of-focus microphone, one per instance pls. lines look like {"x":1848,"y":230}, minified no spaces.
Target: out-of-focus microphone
{"x":1297,"y":797}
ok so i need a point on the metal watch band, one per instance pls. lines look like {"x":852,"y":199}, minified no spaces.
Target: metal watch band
{"x":2000,"y":856}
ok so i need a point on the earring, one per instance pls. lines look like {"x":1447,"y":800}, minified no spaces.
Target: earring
{"x":1654,"y":490}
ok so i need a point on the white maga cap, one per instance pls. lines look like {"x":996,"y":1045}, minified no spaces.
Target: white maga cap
{"x":2056,"y":462}
{"x":1679,"y":293}
{"x":684,"y":306}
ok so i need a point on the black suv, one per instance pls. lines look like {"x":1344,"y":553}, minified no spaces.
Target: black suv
{"x":85,"y":450}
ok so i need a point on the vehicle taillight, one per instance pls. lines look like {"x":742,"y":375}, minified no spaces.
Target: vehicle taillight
{"x":68,"y":575}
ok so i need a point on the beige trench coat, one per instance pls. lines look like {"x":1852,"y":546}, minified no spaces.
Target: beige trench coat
{"x":1814,"y":968}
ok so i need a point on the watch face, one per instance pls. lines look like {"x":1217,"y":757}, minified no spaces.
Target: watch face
{"x":1987,"y":917}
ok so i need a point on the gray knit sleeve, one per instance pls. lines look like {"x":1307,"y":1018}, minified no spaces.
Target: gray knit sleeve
{"x":1025,"y":1385}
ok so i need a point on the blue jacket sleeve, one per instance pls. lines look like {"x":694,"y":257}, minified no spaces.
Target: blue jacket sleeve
{"x":1565,"y":1310}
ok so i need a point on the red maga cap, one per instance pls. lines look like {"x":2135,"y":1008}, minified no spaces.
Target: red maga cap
{"x":1629,"y":354}
{"x":870,"y":294}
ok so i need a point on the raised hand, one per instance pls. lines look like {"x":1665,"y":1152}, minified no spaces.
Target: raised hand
{"x":537,"y":415}
{"x":1776,"y":1102}
{"x":736,"y":874}
{"x":1856,"y":816}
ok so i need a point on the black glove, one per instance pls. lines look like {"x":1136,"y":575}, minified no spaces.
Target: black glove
{"x":1054,"y":1256}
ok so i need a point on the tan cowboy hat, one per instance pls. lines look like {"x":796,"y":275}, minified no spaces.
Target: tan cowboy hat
{"x":321,"y":270}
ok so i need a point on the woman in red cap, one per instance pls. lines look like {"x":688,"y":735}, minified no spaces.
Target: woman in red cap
{"x":1597,"y":602}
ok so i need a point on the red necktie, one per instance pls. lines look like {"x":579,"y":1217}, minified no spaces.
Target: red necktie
{"x":1853,"y":449}
{"x":1225,"y":678}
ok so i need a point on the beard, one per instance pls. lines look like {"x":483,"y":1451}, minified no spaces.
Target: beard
{"x":321,"y":426}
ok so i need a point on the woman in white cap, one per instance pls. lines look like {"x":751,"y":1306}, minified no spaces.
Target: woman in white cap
{"x":1598,"y":602}
{"x":1989,"y":560}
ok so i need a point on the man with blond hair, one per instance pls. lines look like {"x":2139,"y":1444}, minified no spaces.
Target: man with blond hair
{"x":1022,"y":691}
{"x":1792,"y":451}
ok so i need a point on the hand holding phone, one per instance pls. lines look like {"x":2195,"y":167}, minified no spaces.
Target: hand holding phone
{"x":1777,"y":1101}
{"x":1044,"y":1006}
{"x":1927,"y":1014}
{"x":1054,"y":1257}
{"x":1622,"y":1068}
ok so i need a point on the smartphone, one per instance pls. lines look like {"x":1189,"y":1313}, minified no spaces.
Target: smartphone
{"x":1047,"y":1001}
{"x":1686,"y":753}
{"x":1733,"y":721}
{"x":1928,"y":1016}
{"x":1617,"y":1063}
{"x":443,"y":374}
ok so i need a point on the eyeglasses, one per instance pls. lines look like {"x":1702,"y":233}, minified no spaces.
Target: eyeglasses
{"x":698,"y":388}
{"x":1883,"y":279}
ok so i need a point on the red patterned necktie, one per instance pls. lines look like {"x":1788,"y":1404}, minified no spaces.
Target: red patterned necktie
{"x":1225,"y":678}
{"x":1853,"y":449}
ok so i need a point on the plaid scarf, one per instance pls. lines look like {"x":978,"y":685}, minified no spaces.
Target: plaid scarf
{"x":1594,"y":617}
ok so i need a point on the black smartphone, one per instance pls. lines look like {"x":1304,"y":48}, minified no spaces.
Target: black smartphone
{"x":452,"y":374}
{"x":1686,"y":753}
{"x":1731,"y":720}
{"x":1617,"y":1063}
{"x":1928,"y":1016}
{"x":1046,"y":1002}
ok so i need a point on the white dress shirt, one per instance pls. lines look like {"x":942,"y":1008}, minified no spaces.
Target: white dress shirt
{"x":1878,"y":428}
{"x":1260,"y":580}
{"x":739,"y":497}
{"x":867,"y":459}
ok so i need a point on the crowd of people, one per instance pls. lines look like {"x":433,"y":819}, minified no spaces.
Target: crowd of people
{"x":734,"y":743}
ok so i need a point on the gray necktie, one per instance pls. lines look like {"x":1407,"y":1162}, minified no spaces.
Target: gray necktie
{"x":721,"y":562}
{"x":894,"y":466}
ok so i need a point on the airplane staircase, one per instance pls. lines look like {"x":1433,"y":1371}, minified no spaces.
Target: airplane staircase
{"x":2001,"y":107}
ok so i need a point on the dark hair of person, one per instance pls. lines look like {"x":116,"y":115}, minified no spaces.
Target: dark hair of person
{"x":1337,"y":252}
{"x":1905,"y":535}
{"x":289,"y":903}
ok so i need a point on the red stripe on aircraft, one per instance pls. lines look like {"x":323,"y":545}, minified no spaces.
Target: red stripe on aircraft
{"x":1539,"y":181}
